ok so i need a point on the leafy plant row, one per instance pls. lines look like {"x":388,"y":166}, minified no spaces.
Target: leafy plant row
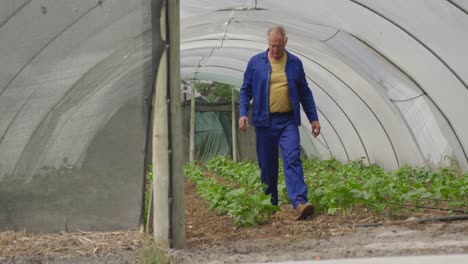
{"x":244,"y":173}
{"x":337,"y":187}
{"x":247,"y":206}
{"x":334,"y":187}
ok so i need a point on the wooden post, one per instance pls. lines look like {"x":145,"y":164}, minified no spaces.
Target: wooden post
{"x":192,"y":123}
{"x":168,"y":178}
{"x":233,"y":126}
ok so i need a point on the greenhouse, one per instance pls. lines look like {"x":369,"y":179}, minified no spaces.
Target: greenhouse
{"x":92,"y":91}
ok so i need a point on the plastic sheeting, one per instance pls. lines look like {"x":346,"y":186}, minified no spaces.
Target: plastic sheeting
{"x":213,"y":134}
{"x":74,"y":77}
{"x":388,"y":78}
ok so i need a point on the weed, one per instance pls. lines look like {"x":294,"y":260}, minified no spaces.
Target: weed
{"x":148,"y":188}
{"x":152,"y":254}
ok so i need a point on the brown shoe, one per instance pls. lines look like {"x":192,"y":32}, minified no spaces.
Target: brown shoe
{"x":304,"y":210}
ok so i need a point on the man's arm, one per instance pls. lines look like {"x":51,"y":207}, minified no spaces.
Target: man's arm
{"x":245,"y":97}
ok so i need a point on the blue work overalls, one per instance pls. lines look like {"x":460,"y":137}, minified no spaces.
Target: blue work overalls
{"x":273,"y":130}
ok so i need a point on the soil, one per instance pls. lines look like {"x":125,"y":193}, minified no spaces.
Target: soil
{"x":215,"y":239}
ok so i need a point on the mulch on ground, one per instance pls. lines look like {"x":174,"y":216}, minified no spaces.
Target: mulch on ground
{"x":65,"y":245}
{"x":203,"y":227}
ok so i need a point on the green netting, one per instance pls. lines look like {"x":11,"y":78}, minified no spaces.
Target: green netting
{"x":212,"y":135}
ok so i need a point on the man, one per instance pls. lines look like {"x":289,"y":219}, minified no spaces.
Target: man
{"x":275,"y":79}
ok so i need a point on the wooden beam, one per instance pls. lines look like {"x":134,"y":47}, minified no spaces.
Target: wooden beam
{"x":192,"y":123}
{"x":168,"y":178}
{"x":233,"y":126}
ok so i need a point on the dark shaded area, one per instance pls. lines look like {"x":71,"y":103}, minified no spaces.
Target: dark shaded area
{"x":82,"y":166}
{"x":103,"y":195}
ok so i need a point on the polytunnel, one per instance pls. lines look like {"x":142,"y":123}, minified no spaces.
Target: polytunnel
{"x":389,"y":78}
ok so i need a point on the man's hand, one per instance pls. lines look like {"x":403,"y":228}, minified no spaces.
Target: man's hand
{"x":315,"y":128}
{"x":243,"y":123}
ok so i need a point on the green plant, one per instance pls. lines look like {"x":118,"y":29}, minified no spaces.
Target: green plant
{"x":148,"y":189}
{"x":153,"y":254}
{"x":217,"y":92}
{"x":240,"y":197}
{"x":334,"y":188}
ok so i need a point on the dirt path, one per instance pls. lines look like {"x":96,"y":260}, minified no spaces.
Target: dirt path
{"x":214,"y":239}
{"x":423,"y":239}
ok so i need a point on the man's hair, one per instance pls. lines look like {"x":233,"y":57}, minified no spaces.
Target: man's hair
{"x":277,"y":29}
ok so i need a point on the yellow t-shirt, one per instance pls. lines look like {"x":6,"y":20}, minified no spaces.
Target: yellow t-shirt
{"x":279,"y":96}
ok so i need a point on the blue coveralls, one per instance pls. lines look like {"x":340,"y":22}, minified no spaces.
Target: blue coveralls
{"x":285,"y":133}
{"x":278,"y":129}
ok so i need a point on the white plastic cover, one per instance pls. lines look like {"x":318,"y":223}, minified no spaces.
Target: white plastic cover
{"x":389,"y":77}
{"x":74,"y":76}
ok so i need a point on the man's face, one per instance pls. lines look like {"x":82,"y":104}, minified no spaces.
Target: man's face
{"x":277,"y":45}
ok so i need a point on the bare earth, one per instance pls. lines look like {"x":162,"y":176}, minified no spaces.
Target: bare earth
{"x":214,"y":239}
